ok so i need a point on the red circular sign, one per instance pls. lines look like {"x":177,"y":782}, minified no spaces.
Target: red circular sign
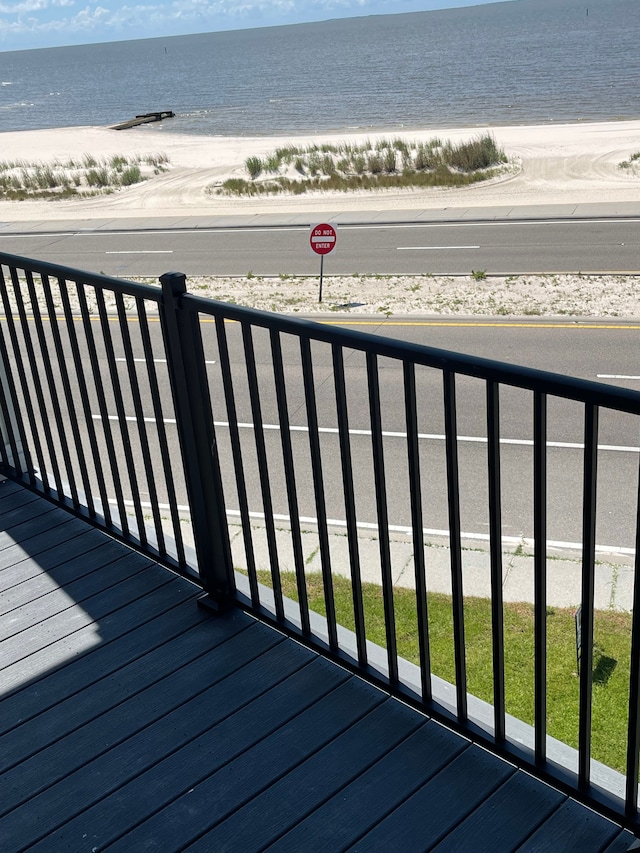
{"x":323,"y":238}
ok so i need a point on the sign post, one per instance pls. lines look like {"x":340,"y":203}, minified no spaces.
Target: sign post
{"x":323,"y":240}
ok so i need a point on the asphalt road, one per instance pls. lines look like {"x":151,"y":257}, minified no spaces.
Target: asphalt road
{"x":452,"y":248}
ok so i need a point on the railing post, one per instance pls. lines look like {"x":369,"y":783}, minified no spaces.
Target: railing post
{"x":185,"y":359}
{"x":10,"y":432}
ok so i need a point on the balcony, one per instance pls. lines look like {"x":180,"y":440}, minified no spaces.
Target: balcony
{"x":160,"y":690}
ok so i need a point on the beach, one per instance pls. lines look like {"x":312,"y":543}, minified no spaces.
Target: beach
{"x":566,"y":164}
{"x":551,"y":164}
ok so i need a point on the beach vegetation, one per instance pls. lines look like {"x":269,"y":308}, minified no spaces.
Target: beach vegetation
{"x":389,"y":160}
{"x":272,"y":163}
{"x":158,"y":161}
{"x":633,"y":161}
{"x":313,"y":163}
{"x":118,"y":162}
{"x":98,"y":177}
{"x":374,"y":164}
{"x":253,"y":166}
{"x":381,"y":164}
{"x":20,"y":180}
{"x":359,"y":164}
{"x":131,"y":175}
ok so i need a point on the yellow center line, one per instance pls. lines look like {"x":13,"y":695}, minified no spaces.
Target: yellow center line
{"x":482,"y":323}
{"x":577,"y":325}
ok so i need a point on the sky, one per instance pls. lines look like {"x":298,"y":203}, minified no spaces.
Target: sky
{"x":28,"y":24}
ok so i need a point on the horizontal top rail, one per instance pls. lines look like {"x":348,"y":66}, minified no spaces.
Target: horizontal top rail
{"x":552,"y":384}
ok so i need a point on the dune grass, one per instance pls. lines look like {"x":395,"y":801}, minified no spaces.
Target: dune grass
{"x":383,"y":164}
{"x":20,"y":180}
{"x":610,"y":669}
{"x":632,"y":163}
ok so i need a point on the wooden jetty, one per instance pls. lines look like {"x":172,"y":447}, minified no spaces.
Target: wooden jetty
{"x":145,"y":118}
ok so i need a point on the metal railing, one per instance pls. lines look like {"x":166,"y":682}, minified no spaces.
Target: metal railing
{"x":164,"y":418}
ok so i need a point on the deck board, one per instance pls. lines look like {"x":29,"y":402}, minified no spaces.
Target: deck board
{"x":508,"y":816}
{"x":318,"y":775}
{"x":571,"y":829}
{"x":133,"y":720}
{"x":197,"y":755}
{"x":72,"y":558}
{"x":52,"y":548}
{"x":359,"y":806}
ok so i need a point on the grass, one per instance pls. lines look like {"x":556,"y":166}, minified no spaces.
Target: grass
{"x":634,"y":159}
{"x":611,"y":656}
{"x":20,"y":180}
{"x":386,"y":164}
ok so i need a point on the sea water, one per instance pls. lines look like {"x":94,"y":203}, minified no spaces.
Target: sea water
{"x":525,"y":61}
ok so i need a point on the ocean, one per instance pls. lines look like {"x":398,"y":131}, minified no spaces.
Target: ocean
{"x":518,"y":62}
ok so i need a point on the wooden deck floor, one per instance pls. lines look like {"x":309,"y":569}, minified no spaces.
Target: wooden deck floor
{"x":131,"y":720}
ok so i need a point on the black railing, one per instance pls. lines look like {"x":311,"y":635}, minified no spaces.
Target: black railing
{"x":151,"y":411}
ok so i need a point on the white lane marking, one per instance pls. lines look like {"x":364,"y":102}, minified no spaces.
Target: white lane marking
{"x":399,"y":528}
{"x":473,"y":439}
{"x":149,"y":505}
{"x":156,"y":360}
{"x":144,"y":360}
{"x":489,"y":224}
{"x":615,"y":376}
{"x":431,"y":248}
{"x":143,"y":252}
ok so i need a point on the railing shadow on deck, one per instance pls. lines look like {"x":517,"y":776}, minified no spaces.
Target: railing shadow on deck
{"x":149,"y":412}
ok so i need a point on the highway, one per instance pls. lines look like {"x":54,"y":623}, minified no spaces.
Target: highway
{"x":508,"y":247}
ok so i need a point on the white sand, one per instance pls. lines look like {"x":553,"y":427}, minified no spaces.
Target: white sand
{"x":557,"y":164}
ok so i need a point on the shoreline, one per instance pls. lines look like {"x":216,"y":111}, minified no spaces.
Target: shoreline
{"x":557,"y":164}
{"x":166,"y":125}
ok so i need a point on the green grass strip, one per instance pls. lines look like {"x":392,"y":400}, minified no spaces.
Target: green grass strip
{"x":610,"y":668}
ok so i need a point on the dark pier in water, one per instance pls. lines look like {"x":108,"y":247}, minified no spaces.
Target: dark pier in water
{"x":145,"y":118}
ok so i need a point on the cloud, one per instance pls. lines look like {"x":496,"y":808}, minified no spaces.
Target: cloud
{"x":32,"y":6}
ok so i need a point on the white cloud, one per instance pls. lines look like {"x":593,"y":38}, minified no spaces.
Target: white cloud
{"x":88,"y":18}
{"x":31,"y":6}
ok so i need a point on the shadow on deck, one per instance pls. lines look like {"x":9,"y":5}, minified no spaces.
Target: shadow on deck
{"x":133,"y":720}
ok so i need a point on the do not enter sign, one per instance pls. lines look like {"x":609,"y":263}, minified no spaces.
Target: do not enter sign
{"x":323,"y":238}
